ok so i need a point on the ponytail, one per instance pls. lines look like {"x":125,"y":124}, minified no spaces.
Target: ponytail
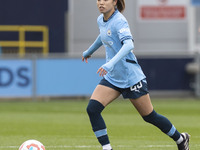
{"x":121,"y":5}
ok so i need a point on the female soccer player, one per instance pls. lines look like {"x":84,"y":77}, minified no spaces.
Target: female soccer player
{"x":122,"y":75}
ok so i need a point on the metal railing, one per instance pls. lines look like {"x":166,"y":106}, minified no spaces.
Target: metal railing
{"x":21,"y":43}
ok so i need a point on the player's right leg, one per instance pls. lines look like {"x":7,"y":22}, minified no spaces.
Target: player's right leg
{"x":100,"y":98}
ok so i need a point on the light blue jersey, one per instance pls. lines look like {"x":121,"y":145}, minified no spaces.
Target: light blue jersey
{"x":126,"y":72}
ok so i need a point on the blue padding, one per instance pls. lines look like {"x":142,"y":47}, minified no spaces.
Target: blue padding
{"x":100,"y":133}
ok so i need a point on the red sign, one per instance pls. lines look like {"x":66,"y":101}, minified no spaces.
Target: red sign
{"x":162,"y":12}
{"x":162,"y":9}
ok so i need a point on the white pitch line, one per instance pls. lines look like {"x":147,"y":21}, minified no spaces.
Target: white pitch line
{"x":66,"y":146}
{"x":78,"y":146}
{"x":95,"y":146}
{"x":5,"y":147}
{"x":161,"y":146}
{"x":157,"y":146}
{"x":54,"y":147}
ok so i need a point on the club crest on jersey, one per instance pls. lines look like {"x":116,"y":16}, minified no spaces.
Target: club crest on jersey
{"x":109,"y":33}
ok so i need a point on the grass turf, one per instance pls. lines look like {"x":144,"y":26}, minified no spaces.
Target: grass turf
{"x":64,"y":125}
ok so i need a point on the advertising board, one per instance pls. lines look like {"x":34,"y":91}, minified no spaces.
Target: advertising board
{"x":15,"y":78}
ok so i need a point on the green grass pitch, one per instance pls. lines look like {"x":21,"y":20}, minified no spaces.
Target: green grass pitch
{"x":64,"y":125}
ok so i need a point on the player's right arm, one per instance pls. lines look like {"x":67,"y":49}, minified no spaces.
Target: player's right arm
{"x":87,"y":54}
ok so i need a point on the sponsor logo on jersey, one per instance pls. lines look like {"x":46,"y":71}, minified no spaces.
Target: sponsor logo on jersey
{"x":124,"y":30}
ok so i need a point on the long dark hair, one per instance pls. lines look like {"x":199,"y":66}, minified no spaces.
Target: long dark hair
{"x":121,"y":5}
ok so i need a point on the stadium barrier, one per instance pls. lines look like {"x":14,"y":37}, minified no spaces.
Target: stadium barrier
{"x":47,"y":77}
{"x":193,"y":68}
{"x":197,"y":77}
{"x":63,"y":76}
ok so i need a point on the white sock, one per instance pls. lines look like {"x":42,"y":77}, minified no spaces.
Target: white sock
{"x":107,"y":147}
{"x":179,"y":140}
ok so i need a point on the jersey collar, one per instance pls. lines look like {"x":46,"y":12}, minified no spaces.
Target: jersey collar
{"x":116,"y":11}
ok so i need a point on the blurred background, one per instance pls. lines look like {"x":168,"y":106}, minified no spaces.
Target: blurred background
{"x":41,"y":45}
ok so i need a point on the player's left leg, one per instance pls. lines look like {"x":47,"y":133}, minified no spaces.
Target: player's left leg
{"x":145,"y":108}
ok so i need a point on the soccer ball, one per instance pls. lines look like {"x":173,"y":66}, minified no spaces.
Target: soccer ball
{"x":32,"y":145}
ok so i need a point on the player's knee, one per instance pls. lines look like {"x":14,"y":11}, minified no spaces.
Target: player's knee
{"x":159,"y":121}
{"x":94,"y":107}
{"x":151,"y":117}
{"x":90,"y":110}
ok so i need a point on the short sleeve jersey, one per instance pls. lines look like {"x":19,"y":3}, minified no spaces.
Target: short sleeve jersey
{"x":127,"y":72}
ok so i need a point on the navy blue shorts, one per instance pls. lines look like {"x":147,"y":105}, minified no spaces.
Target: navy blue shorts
{"x":133,"y":92}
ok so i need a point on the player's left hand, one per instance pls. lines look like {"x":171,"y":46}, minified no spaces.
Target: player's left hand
{"x":101,"y":72}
